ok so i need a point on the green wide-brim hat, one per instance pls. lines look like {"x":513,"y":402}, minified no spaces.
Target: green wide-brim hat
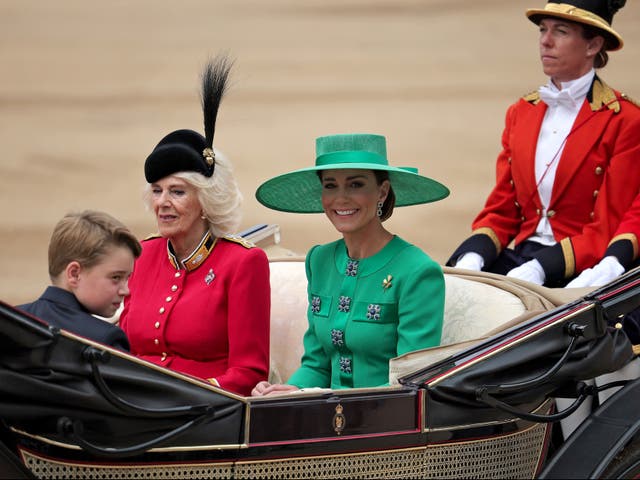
{"x":300,"y":191}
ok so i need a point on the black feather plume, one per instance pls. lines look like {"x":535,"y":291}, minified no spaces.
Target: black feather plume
{"x":214,"y":86}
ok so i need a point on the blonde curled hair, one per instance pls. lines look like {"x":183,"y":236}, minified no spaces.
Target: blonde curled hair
{"x":218,"y":195}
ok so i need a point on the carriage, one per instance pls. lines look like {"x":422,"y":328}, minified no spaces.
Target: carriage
{"x":482,"y":405}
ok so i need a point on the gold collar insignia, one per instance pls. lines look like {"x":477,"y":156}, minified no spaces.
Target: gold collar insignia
{"x":600,"y":95}
{"x":197,"y":257}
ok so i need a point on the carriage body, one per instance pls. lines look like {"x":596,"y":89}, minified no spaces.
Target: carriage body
{"x":474,"y":408}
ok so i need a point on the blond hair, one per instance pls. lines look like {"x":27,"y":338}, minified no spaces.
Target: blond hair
{"x":86,"y":237}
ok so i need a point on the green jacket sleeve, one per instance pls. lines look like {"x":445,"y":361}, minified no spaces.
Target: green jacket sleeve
{"x":421,"y":309}
{"x":315,"y":367}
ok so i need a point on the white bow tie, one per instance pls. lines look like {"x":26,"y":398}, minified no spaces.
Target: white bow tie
{"x":554,"y":98}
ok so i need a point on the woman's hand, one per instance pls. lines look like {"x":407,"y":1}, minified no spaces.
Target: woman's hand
{"x":266,"y":388}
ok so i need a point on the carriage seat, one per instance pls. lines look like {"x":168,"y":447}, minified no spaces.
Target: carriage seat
{"x":477,"y":304}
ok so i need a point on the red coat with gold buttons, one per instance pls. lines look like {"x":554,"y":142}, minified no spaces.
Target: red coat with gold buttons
{"x":210,"y":321}
{"x":596,"y":180}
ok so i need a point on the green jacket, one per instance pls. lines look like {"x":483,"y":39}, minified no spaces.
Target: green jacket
{"x":362,"y":313}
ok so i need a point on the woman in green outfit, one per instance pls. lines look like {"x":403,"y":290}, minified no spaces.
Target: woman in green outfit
{"x":372,"y":295}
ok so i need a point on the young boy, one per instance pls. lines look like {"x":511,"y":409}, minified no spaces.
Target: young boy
{"x":91,"y":256}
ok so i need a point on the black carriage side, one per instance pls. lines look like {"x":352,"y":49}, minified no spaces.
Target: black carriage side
{"x":74,"y":408}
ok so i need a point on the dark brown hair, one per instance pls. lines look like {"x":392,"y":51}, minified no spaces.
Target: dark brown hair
{"x":390,"y":201}
{"x":602,"y":57}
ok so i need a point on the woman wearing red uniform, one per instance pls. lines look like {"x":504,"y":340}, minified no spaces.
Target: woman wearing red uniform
{"x":568,"y":167}
{"x":200,"y":297}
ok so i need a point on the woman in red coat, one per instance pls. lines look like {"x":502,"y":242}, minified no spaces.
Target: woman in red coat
{"x":568,"y":167}
{"x":200,"y":297}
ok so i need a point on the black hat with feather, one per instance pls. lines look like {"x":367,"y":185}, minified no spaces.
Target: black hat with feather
{"x":187,"y":150}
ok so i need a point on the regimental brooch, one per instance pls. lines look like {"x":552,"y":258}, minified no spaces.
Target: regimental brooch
{"x":209,"y":277}
{"x":386,"y":283}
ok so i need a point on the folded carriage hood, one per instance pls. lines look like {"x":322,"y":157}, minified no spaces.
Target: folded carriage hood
{"x":59,"y":386}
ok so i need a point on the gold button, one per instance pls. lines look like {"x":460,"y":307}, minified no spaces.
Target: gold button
{"x":517,"y":204}
{"x":598,"y":170}
{"x":511,"y":182}
{"x":551,"y":213}
{"x":618,"y":325}
{"x":163,"y":357}
{"x":174,"y":288}
{"x":592,"y":215}
{"x":161,"y":310}
{"x":168,"y":299}
{"x":156,"y":341}
{"x":537,"y":211}
{"x":509,"y":161}
{"x":595,"y":193}
{"x":522,"y":218}
{"x":177,"y":274}
{"x":157,"y":325}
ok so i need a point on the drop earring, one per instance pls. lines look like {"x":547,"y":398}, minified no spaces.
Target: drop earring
{"x":379,"y":211}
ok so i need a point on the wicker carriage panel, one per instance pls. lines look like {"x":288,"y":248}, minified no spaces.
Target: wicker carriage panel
{"x":46,"y":468}
{"x":510,"y":456}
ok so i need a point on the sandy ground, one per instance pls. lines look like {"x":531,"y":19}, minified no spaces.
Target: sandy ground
{"x":88,"y":88}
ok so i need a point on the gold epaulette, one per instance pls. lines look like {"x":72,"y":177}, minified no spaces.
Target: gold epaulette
{"x":629,"y":99}
{"x":152,"y":236}
{"x":603,"y":95}
{"x":532,"y":97}
{"x":241,"y":240}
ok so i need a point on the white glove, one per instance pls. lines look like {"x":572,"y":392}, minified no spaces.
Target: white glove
{"x":601,"y":273}
{"x":470,"y":261}
{"x":530,"y":271}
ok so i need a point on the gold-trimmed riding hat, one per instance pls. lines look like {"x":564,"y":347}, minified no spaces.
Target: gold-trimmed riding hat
{"x":595,"y":13}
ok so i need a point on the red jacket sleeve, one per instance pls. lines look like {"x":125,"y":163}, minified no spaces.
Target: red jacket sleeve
{"x":624,"y":244}
{"x":248,"y":324}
